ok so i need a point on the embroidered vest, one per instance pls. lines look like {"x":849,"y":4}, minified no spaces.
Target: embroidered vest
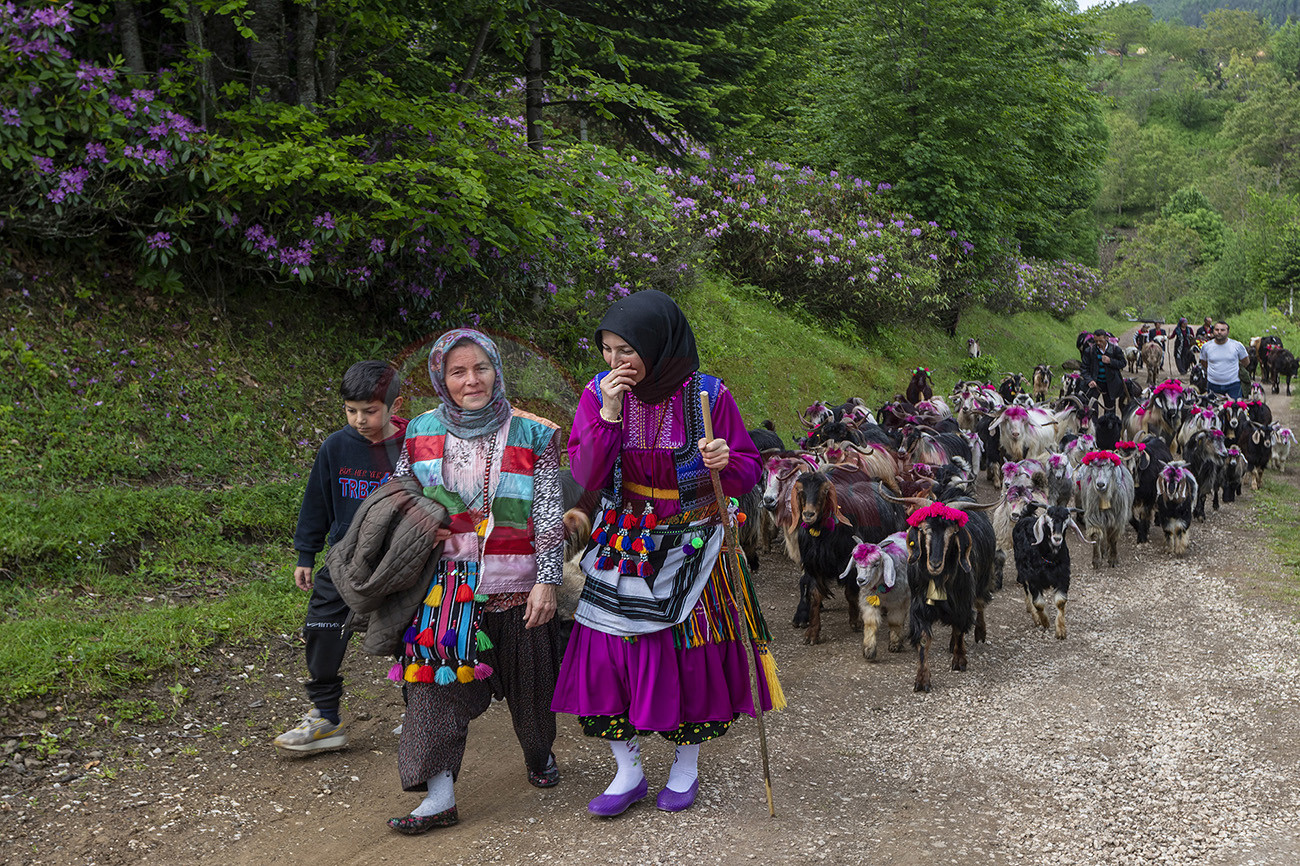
{"x":694,"y":485}
{"x":512,"y":505}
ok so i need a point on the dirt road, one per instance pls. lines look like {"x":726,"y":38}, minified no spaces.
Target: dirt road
{"x":1164,"y":729}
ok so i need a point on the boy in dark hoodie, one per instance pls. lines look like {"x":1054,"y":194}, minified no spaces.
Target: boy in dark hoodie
{"x":350,"y":464}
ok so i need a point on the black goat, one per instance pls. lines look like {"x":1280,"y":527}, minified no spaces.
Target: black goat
{"x":1281,"y":363}
{"x":920,"y":387}
{"x":1043,"y":559}
{"x":1144,"y":460}
{"x":1259,"y":412}
{"x":1176,"y":494}
{"x":1234,"y":469}
{"x":1234,"y":419}
{"x":1011,"y":385}
{"x":833,"y":507}
{"x":766,"y":438}
{"x":1257,"y":446}
{"x":950,"y":568}
{"x":1204,"y":455}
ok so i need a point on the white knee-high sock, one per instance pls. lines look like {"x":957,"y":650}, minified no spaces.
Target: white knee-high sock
{"x":685,"y":768}
{"x":440,"y":798}
{"x":628,"y":755}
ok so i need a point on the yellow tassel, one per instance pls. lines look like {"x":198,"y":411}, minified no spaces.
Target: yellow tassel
{"x":774,"y":690}
{"x":411,"y":671}
{"x":465,"y":674}
{"x":434,"y":598}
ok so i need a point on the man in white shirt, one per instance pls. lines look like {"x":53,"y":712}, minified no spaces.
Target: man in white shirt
{"x":1223,"y":360}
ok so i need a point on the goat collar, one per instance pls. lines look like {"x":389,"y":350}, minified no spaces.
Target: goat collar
{"x":1096,"y":456}
{"x":939,"y":510}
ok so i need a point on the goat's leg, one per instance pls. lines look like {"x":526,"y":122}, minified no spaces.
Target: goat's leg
{"x":1094,"y":535}
{"x":801,"y":616}
{"x":923,"y":665}
{"x":852,"y":594}
{"x":870,"y":625}
{"x":814,"y":633}
{"x":958,"y":650}
{"x":1060,"y":615}
{"x":1036,"y":609}
{"x":981,"y":632}
{"x":1112,"y":546}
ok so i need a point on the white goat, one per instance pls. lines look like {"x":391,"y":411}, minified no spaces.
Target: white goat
{"x":882,"y":579}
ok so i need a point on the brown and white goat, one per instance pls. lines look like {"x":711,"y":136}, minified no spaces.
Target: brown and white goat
{"x":1153,"y":358}
{"x":1041,"y":382}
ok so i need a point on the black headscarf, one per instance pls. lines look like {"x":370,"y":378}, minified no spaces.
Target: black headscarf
{"x":656,"y":328}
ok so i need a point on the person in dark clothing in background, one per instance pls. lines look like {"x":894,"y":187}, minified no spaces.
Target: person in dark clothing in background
{"x":1184,"y":343}
{"x":1103,"y":368}
{"x":351,"y":463}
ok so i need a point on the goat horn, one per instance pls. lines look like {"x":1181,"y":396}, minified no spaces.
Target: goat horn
{"x":909,"y":501}
{"x":972,"y":506}
{"x":1082,"y":537}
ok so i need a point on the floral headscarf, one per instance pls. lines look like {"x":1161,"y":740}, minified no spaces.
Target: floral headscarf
{"x":468,"y":423}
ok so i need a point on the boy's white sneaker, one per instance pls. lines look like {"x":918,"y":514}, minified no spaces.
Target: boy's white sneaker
{"x":313,"y":734}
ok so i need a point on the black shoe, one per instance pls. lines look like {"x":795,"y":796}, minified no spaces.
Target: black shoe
{"x":548,"y":778}
{"x":414,"y":825}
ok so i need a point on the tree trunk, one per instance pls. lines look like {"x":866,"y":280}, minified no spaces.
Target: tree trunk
{"x":308,"y":19}
{"x":266,"y":53}
{"x":194,"y":35}
{"x":471,"y":66}
{"x":533,"y":92}
{"x":129,"y":28}
{"x":329,"y":59}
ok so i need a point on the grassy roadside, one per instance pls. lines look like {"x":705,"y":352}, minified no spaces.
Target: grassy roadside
{"x":1277,"y":503}
{"x":152,"y":450}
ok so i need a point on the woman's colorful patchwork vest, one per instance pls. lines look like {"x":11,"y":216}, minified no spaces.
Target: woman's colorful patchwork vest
{"x":509,"y":549}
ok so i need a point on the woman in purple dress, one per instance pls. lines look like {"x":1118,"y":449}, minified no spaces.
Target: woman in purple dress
{"x":660,"y":643}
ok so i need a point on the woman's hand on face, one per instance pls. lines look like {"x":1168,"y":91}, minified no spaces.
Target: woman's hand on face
{"x":541,"y":605}
{"x":441,"y":534}
{"x":612,"y":388}
{"x":716,"y":453}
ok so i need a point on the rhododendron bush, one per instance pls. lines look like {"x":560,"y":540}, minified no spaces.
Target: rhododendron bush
{"x":433,"y":202}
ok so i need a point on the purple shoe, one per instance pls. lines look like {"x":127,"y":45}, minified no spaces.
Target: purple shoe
{"x":609,"y":805}
{"x":677,"y":801}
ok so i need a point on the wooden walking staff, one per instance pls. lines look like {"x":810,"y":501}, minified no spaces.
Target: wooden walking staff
{"x":737,"y":593}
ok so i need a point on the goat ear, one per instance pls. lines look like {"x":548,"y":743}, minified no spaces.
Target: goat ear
{"x":887,"y":567}
{"x":964,"y":551}
{"x":1256,"y":437}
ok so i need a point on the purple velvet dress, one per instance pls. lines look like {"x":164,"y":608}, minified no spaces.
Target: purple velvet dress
{"x":622,"y":660}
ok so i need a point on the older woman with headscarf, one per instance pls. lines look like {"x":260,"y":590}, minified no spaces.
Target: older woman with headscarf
{"x":485,"y":628}
{"x":660,"y":643}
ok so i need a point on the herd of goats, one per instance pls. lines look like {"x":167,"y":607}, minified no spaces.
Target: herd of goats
{"x":882,"y":503}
